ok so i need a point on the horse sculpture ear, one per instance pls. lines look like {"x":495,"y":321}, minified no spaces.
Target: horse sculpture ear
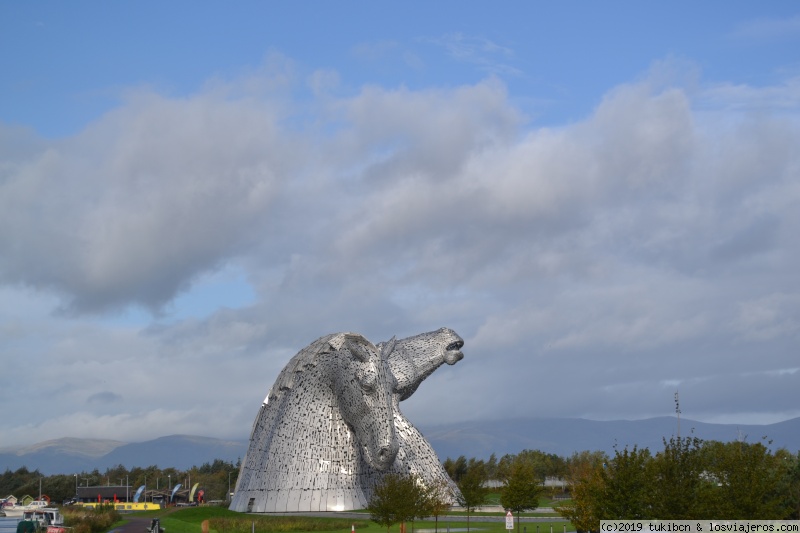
{"x":388,"y":348}
{"x":358,"y":347}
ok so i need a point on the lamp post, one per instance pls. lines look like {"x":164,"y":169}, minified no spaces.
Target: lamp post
{"x":229,"y":486}
{"x":169,"y":481}
{"x":76,"y":485}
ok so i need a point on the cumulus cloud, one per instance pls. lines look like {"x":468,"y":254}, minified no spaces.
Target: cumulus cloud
{"x":135,"y":206}
{"x":647,"y":246}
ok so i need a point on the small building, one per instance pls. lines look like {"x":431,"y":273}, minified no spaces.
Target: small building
{"x":165,"y":497}
{"x":105,"y":494}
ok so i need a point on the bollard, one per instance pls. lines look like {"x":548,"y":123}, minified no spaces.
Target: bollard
{"x":353,"y":528}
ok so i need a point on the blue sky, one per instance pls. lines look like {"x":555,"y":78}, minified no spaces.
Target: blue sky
{"x":601,"y":198}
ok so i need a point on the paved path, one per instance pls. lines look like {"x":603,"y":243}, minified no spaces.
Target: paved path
{"x":134,"y":524}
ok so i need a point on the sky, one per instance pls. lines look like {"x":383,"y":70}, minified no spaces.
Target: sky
{"x":601,"y":198}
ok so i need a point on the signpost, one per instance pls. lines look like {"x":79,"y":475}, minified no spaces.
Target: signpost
{"x":509,"y":520}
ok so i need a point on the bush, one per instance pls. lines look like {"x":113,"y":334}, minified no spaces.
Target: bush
{"x":83,"y":520}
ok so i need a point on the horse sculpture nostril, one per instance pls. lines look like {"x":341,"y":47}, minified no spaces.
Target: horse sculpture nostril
{"x":457,"y":345}
{"x":387,"y":455}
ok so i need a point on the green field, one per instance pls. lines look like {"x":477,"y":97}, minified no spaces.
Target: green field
{"x":221,"y":520}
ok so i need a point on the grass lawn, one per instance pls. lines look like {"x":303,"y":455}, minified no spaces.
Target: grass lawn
{"x":221,"y":520}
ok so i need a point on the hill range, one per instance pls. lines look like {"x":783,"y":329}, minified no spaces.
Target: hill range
{"x":560,"y":436}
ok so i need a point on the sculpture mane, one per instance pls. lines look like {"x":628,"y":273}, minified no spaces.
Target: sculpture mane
{"x":330,"y":427}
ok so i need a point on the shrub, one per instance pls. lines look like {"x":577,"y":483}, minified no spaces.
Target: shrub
{"x":83,"y":520}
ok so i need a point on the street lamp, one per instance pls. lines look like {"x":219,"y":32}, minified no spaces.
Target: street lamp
{"x":76,"y":485}
{"x":229,"y":486}
{"x":169,"y":480}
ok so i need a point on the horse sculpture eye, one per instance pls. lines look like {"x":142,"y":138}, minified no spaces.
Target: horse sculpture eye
{"x":367,"y":383}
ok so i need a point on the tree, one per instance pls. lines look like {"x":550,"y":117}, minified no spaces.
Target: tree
{"x":398,"y":499}
{"x":521,"y":490}
{"x":586,"y":485}
{"x":587,"y":496}
{"x":792,"y":462}
{"x":439,"y":499}
{"x":682,"y":488}
{"x":491,"y":467}
{"x":628,"y":493}
{"x":752,"y":483}
{"x":456,"y":468}
{"x":619,"y":488}
{"x":544,"y":464}
{"x":473,"y":491}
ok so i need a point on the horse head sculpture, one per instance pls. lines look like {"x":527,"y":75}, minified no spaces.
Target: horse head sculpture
{"x":363,"y":386}
{"x":330,"y":427}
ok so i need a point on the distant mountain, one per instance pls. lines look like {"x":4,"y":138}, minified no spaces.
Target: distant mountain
{"x":179,"y":451}
{"x":561,"y":436}
{"x":564,"y":436}
{"x":69,"y":446}
{"x":61,"y":456}
{"x":68,"y":456}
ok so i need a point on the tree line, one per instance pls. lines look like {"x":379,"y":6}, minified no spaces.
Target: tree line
{"x":214,"y":477}
{"x":689,"y":479}
{"x":544,"y":465}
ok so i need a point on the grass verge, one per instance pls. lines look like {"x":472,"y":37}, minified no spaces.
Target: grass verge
{"x":221,"y":520}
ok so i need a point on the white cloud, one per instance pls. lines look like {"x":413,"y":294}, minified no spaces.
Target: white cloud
{"x":769,"y":28}
{"x":137,"y":205}
{"x":773,"y":316}
{"x":488,"y":55}
{"x":784,"y":97}
{"x":650,"y":243}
